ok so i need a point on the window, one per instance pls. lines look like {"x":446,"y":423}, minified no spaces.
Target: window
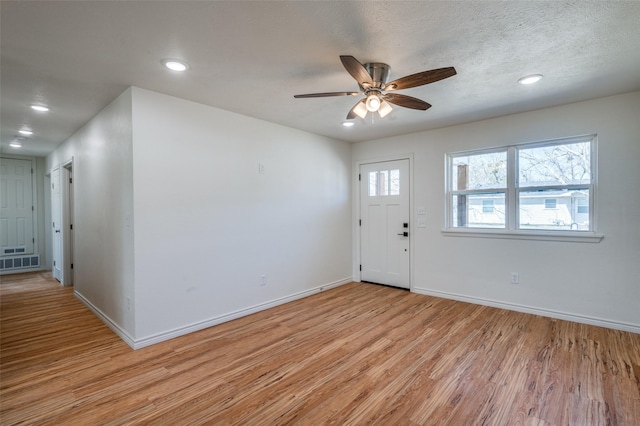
{"x":522,"y":189}
{"x":384,"y":183}
{"x":583,"y":206}
{"x":487,"y":206}
{"x":550,"y":203}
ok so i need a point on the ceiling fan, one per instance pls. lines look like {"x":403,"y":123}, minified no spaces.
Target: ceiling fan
{"x":372,"y":80}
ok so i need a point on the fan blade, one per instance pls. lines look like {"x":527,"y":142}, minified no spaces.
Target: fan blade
{"x":357,"y":70}
{"x":421,"y":78}
{"x":407,"y":101}
{"x":358,"y":110}
{"x":322,"y":95}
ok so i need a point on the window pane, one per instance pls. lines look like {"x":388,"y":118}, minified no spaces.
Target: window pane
{"x":469,"y":210}
{"x":487,"y":206}
{"x":480,"y":171}
{"x":566,"y":213}
{"x":394,"y":184}
{"x":373,"y":184}
{"x":555,"y":165}
{"x":383,"y":182}
{"x":583,"y":206}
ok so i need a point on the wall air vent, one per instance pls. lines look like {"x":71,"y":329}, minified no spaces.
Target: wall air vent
{"x":21,"y":262}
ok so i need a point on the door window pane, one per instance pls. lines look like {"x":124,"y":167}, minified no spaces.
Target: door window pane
{"x":373,"y":184}
{"x":394,"y":182}
{"x":384,"y":182}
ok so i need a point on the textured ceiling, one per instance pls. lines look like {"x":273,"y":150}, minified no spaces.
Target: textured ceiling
{"x":252,"y":57}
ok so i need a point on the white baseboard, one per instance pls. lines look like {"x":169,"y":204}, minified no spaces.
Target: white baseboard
{"x":105,"y":319}
{"x":161,"y":337}
{"x":616,"y":325}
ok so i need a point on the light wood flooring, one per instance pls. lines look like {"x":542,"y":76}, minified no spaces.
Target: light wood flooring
{"x":357,"y":354}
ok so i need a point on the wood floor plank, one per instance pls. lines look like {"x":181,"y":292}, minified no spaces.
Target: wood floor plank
{"x":356,"y":354}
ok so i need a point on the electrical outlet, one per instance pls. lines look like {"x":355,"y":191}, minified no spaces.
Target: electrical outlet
{"x":515,"y":278}
{"x":129,"y":304}
{"x":263,"y":280}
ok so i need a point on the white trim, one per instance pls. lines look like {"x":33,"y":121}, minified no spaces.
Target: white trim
{"x":25,"y":270}
{"x":170,"y":334}
{"x":582,"y":319}
{"x":566,"y":236}
{"x":106,"y":320}
{"x":66,"y":195}
{"x":181,"y":331}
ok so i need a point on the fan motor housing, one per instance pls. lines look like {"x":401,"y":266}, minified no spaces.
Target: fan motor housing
{"x":379,"y":73}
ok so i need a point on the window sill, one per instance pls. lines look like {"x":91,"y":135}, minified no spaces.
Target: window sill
{"x":572,"y":237}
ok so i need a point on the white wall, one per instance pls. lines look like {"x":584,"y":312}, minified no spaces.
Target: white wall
{"x":103,"y":182}
{"x":208,"y":225}
{"x":590,"y":282}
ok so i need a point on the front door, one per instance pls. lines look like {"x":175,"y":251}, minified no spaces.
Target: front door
{"x":384,"y":223}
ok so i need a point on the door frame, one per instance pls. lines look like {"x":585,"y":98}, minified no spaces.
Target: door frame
{"x":357,"y":208}
{"x":67,"y":207}
{"x":52,"y":230}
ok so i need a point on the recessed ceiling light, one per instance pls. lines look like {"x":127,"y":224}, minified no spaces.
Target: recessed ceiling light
{"x":348,"y":123}
{"x":39,"y":108}
{"x":15,"y":144}
{"x":530,"y":79}
{"x":25,"y":132}
{"x":175,"y":65}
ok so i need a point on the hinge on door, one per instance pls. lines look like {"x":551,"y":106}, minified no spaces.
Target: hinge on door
{"x":72,"y":266}
{"x":359,"y":176}
{"x":360,"y":222}
{"x":71,"y":226}
{"x":32,"y":209}
{"x":361,"y":267}
{"x":54,"y":263}
{"x":33,"y":240}
{"x":31,"y":171}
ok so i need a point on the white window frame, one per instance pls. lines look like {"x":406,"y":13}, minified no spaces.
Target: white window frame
{"x":512,"y":196}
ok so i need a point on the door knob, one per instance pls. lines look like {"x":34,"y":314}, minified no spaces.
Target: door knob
{"x":57,"y":231}
{"x":404,"y":234}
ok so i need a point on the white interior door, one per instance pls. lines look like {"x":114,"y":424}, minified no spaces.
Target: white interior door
{"x":384,"y":223}
{"x":56,"y":222}
{"x":16,"y":207}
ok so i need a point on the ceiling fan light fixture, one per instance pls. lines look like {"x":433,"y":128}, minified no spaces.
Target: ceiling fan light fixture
{"x":15,"y":144}
{"x":530,"y":79}
{"x":26,"y":132}
{"x":360,"y":110}
{"x":373,"y":103}
{"x":175,"y":65}
{"x":385,"y":109}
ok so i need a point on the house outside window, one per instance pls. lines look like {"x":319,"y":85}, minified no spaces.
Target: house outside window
{"x":525,"y":188}
{"x":550,"y":203}
{"x":487,"y":206}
